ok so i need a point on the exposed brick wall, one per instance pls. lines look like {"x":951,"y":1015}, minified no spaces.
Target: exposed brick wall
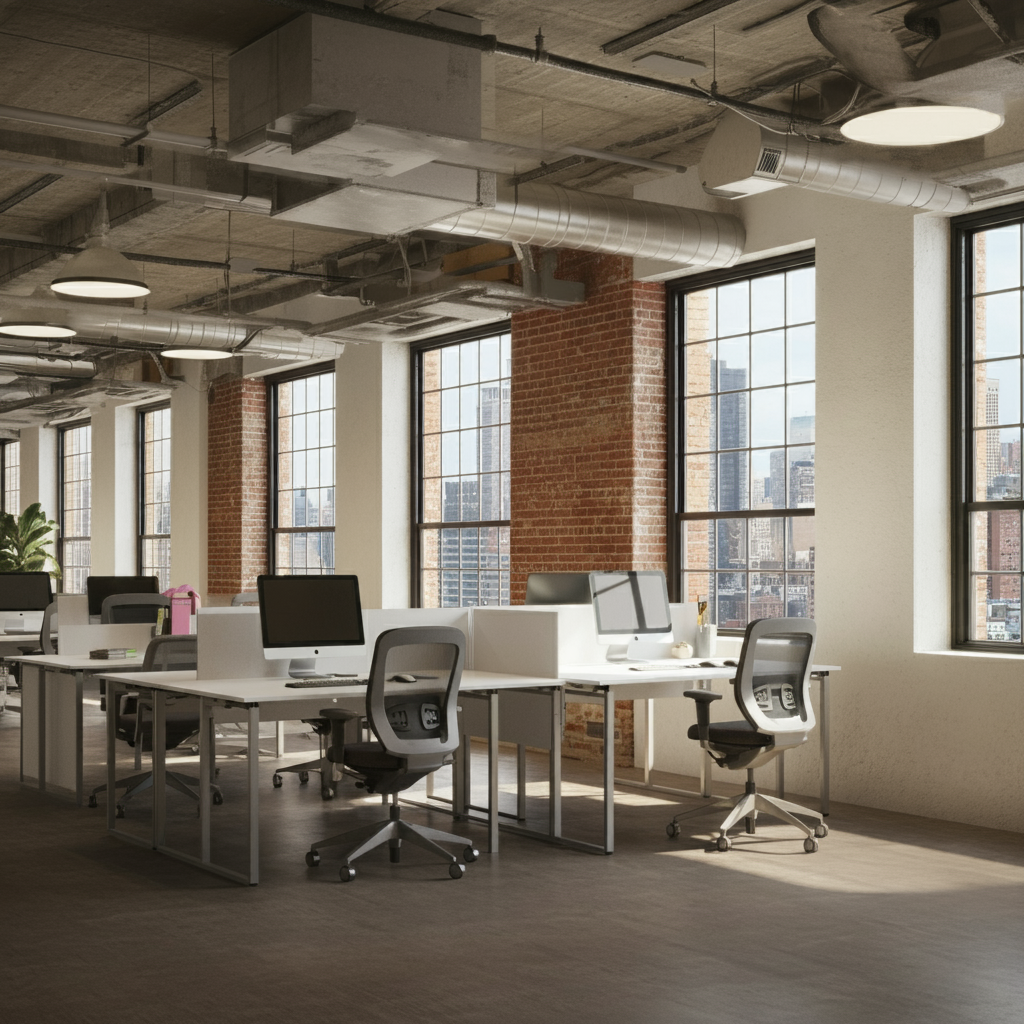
{"x":588,"y":471}
{"x":237,"y":484}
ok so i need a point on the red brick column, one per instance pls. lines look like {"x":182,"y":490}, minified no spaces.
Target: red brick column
{"x":237,"y":484}
{"x":588,"y":472}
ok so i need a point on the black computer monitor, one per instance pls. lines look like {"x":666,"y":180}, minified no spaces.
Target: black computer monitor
{"x":558,"y":588}
{"x":308,"y":617}
{"x":99,"y":588}
{"x":25,"y":591}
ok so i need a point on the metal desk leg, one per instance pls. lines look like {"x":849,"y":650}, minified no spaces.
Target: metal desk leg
{"x":253,"y":766}
{"x":492,"y":772}
{"x":112,"y":699}
{"x":780,"y":776}
{"x":555,"y":764}
{"x":207,"y":752}
{"x":159,"y":758}
{"x":79,"y":685}
{"x":280,"y":738}
{"x":520,"y":782}
{"x":41,"y":775}
{"x":648,"y":750}
{"x":609,"y":770}
{"x":823,"y":737}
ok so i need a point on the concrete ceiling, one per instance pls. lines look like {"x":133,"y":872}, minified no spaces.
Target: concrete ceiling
{"x":166,"y":65}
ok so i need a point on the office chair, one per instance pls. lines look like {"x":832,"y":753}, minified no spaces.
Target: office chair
{"x":46,"y":642}
{"x":772,"y":690}
{"x":133,"y":607}
{"x":417,"y":732}
{"x":135,"y":727}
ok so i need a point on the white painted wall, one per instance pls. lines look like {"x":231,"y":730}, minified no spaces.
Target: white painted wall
{"x":189,"y":408}
{"x":915,"y":727}
{"x":114,"y":545}
{"x":372,"y":428}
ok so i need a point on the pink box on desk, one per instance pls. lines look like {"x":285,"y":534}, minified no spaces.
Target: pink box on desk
{"x":184,"y":604}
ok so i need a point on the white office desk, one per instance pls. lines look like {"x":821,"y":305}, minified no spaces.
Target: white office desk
{"x":267,"y":699}
{"x":600,"y":682}
{"x":51,"y":718}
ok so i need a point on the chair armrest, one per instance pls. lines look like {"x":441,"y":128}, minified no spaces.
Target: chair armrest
{"x":339,"y":719}
{"x":703,"y":699}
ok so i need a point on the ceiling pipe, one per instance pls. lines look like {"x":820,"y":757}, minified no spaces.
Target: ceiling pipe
{"x":163,"y":330}
{"x":46,"y":366}
{"x":548,"y":215}
{"x":742,"y":158}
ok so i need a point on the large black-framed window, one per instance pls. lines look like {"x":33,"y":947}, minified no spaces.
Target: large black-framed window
{"x":302,"y":464}
{"x":462,"y":388}
{"x":741,"y":356}
{"x":154,"y":447}
{"x":988,"y":363}
{"x":10,"y":477}
{"x":74,"y":463}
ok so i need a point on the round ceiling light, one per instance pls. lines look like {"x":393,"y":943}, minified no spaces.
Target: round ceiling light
{"x":925,"y":125}
{"x":196,"y":353}
{"x":35,"y":326}
{"x":100,"y":273}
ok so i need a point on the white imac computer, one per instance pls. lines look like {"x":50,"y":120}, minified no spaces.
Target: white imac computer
{"x":24,"y":596}
{"x":630,"y":605}
{"x":308,"y":617}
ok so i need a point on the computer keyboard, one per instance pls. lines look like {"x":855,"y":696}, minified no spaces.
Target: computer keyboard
{"x":313,"y":681}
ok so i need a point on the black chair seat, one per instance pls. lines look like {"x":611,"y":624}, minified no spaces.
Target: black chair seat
{"x":734,"y":734}
{"x":371,"y":757}
{"x":180,"y":725}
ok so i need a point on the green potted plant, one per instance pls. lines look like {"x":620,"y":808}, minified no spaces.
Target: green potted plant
{"x":25,"y":541}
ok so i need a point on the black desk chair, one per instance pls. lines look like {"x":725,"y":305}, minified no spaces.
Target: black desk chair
{"x":134,"y":723}
{"x":417,"y":733}
{"x":772,"y":688}
{"x":133,"y":607}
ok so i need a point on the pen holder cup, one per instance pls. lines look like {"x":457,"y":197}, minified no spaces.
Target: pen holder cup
{"x":704,"y":645}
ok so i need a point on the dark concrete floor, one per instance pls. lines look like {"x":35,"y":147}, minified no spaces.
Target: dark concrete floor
{"x":895,"y":919}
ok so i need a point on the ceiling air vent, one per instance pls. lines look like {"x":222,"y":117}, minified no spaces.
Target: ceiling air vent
{"x":769,"y":162}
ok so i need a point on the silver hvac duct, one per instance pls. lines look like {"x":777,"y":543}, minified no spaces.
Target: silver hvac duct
{"x":547,"y":215}
{"x":743,"y":158}
{"x":46,"y":366}
{"x":179,"y":331}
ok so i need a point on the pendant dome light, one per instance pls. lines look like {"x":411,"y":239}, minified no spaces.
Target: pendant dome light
{"x":99,"y":272}
{"x":36,"y":324}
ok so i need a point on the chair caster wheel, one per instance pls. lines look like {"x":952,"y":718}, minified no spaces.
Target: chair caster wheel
{"x":92,"y":801}
{"x":119,"y":812}
{"x":470,"y":854}
{"x":303,"y":778}
{"x":810,"y":845}
{"x":346,"y":874}
{"x":723,"y":843}
{"x":672,"y":830}
{"x":218,"y":798}
{"x":821,"y":830}
{"x":278,"y":781}
{"x":456,"y":870}
{"x":194,"y":748}
{"x":326,"y":793}
{"x":313,"y":859}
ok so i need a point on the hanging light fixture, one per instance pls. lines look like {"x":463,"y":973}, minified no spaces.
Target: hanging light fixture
{"x":196,"y":353}
{"x":926,"y":124}
{"x":36,"y":324}
{"x":99,"y":272}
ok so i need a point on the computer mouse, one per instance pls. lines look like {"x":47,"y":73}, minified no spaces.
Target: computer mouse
{"x":730,"y":662}
{"x":403,"y":677}
{"x":708,"y":664}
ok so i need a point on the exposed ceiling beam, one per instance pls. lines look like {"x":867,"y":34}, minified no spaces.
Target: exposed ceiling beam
{"x":701,"y":9}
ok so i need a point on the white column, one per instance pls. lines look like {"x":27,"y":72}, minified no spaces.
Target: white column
{"x":188,"y":480}
{"x":372,"y":433}
{"x":114,"y":543}
{"x":39,"y":468}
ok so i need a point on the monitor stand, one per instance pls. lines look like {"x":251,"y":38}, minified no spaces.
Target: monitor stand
{"x":302,"y":668}
{"x":617,"y":653}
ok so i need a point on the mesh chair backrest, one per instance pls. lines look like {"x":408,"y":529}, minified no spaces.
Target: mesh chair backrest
{"x":48,"y":627}
{"x":773,"y":678}
{"x":171,"y":654}
{"x":132,"y":607}
{"x":417,"y":721}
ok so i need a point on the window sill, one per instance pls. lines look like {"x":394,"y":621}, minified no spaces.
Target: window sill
{"x":994,"y":655}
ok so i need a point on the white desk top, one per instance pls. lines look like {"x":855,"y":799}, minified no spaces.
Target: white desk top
{"x":265,"y":691}
{"x":618,"y":675}
{"x":80,"y":662}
